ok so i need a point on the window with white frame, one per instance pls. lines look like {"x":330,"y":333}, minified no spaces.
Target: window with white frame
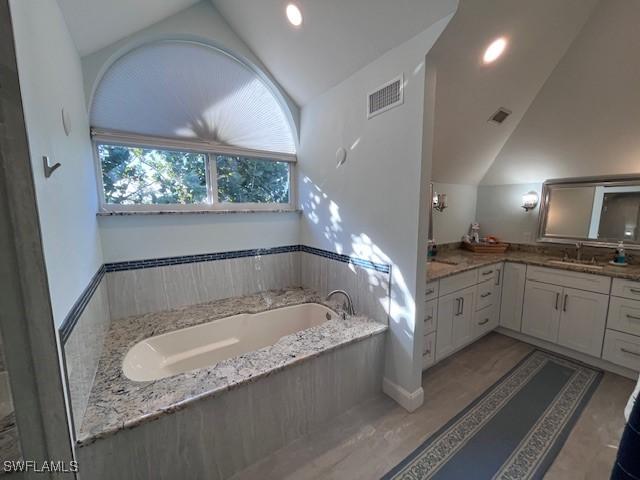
{"x":182,"y":126}
{"x":149,"y":176}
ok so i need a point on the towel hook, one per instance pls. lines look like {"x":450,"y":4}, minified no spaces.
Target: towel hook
{"x":48,"y":168}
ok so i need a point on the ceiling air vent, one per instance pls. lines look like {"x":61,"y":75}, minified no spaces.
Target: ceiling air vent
{"x":500,"y":116}
{"x":389,"y":95}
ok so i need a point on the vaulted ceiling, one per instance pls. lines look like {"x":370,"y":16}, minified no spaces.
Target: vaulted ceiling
{"x":586,"y":119}
{"x":469,"y":92}
{"x":337,"y":37}
{"x":94,"y":24}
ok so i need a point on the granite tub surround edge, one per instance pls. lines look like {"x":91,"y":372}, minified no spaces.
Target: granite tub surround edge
{"x":117,"y":403}
{"x":465,"y":260}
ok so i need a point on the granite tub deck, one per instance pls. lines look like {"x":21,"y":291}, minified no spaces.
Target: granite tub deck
{"x":464,"y":260}
{"x":117,"y":403}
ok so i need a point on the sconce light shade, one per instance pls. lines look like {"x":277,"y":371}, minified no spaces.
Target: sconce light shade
{"x":530,"y":200}
{"x":439,"y":201}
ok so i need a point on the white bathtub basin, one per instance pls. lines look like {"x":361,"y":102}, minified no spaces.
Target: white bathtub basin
{"x":203,"y":345}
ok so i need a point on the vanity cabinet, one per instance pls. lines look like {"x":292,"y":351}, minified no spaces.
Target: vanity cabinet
{"x":513,"y":283}
{"x":455,"y":317}
{"x":430,"y":316}
{"x":485,"y":320}
{"x":622,"y":349}
{"x":622,"y":337}
{"x":459,"y":309}
{"x":429,"y":350}
{"x":582,"y":312}
{"x":447,"y":308}
{"x":556,"y":311}
{"x":583,"y":321}
{"x":541,"y":310}
{"x":624,"y":315}
{"x":463,"y":318}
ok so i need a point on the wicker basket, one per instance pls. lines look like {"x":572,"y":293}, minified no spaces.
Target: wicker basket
{"x":486,"y":247}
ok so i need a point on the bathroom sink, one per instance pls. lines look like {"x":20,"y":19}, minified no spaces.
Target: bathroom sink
{"x":575,"y":263}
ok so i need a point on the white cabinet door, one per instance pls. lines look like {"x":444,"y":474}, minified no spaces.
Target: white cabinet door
{"x":583,"y":320}
{"x":447,"y":307}
{"x":463,"y":318}
{"x":513,"y":281}
{"x":541,"y":310}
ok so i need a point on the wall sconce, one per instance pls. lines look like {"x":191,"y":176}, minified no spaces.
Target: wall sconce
{"x":530,"y":200}
{"x":439,"y":201}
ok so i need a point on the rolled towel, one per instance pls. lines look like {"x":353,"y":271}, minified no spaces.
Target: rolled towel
{"x":632,"y":399}
{"x":627,"y":466}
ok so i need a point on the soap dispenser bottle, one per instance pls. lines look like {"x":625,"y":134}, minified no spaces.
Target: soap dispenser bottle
{"x":620,"y":257}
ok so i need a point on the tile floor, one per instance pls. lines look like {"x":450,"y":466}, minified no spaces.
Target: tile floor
{"x":368,"y":440}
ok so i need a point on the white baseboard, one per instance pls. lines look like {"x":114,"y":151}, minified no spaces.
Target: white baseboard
{"x":588,"y":359}
{"x":410,"y":401}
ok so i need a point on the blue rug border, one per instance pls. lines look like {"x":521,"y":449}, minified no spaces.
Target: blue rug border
{"x":562,"y":438}
{"x":551,"y":455}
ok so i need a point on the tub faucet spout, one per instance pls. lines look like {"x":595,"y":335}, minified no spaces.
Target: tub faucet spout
{"x":348,"y":305}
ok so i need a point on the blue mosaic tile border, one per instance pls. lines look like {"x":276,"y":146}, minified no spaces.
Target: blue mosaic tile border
{"x":209,"y":257}
{"x":380,"y":267}
{"x":76,"y":311}
{"x":205,"y":257}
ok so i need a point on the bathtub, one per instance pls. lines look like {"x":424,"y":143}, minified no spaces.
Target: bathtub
{"x":202,"y":345}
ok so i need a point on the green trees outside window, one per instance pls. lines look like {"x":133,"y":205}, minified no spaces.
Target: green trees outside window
{"x":248,"y":180}
{"x":148,"y":176}
{"x":141,"y":176}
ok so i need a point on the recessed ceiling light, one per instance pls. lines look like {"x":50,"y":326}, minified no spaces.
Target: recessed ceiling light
{"x":495,"y":50}
{"x":294,"y":15}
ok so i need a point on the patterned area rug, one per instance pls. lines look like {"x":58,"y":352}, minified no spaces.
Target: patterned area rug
{"x":514,"y":430}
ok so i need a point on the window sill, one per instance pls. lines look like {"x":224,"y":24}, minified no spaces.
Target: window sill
{"x":126,"y":213}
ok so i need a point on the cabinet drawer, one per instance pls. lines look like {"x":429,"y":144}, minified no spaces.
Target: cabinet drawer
{"x":458,"y":282}
{"x":430,"y":315}
{"x":566,"y":278}
{"x":432,"y":290}
{"x":490,"y":272}
{"x":485,"y":320}
{"x":622,"y":349}
{"x":428,"y":350}
{"x":624,"y":315}
{"x":486,"y":294}
{"x":625,"y":289}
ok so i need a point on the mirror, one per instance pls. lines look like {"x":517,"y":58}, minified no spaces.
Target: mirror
{"x":597,"y":211}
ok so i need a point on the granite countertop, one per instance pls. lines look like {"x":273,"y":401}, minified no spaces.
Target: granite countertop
{"x":118,"y":403}
{"x":451,"y":262}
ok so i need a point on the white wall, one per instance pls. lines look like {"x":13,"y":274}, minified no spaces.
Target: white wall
{"x":500,"y":212}
{"x":585,"y":119}
{"x":454,"y":221}
{"x":157,"y":236}
{"x":50,"y":78}
{"x":370,"y":207}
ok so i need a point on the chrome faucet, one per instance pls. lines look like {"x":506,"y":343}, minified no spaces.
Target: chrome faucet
{"x":579,"y":246}
{"x":348,"y":305}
